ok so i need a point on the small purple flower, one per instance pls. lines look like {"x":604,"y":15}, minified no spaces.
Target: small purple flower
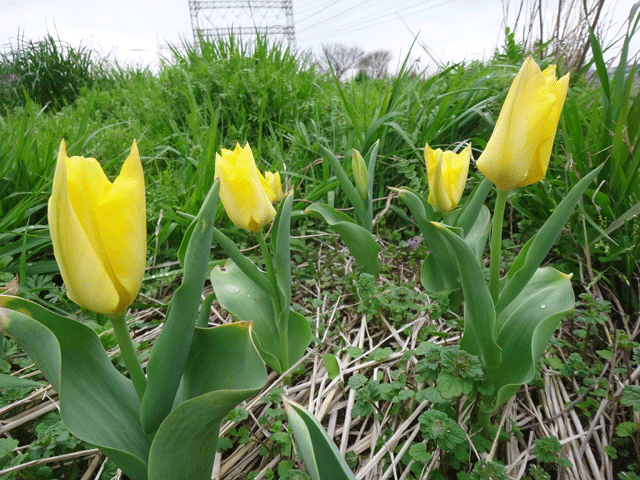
{"x":414,"y":243}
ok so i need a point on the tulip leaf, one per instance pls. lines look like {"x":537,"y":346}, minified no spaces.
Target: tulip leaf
{"x":526,"y":326}
{"x":237,"y":294}
{"x":322,"y":458}
{"x":350,"y":191}
{"x":357,"y":239}
{"x":479,"y":336}
{"x":530,"y":258}
{"x":282,"y":242}
{"x":471,"y":209}
{"x":223,"y":369}
{"x":439,"y":272}
{"x":169,"y":353}
{"x":97,"y":403}
{"x":245,"y":264}
{"x":8,"y":381}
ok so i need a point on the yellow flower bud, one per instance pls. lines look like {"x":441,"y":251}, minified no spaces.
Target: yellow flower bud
{"x":99,"y":231}
{"x":275,"y":186}
{"x":360,"y":173}
{"x":244,"y":192}
{"x":519,"y":149}
{"x":447,"y":175}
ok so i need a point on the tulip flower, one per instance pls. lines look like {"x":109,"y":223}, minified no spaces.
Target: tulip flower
{"x":98,"y":230}
{"x":275,"y":185}
{"x":245,"y":193}
{"x":360,"y":173}
{"x":519,"y":149}
{"x":447,"y":176}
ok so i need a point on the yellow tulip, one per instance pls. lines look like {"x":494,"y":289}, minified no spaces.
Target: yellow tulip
{"x":99,"y":231}
{"x":275,"y":185}
{"x":519,"y":149}
{"x":244,"y":192}
{"x":447,"y":176}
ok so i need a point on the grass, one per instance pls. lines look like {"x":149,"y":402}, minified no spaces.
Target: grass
{"x":265,"y":94}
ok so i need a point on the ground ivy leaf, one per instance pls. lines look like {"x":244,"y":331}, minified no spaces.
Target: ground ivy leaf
{"x":626,"y":429}
{"x":357,"y":381}
{"x":450,"y":386}
{"x":418,"y":452}
{"x":631,"y":397}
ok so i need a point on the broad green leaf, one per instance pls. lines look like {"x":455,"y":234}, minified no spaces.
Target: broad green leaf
{"x":525,"y":328}
{"x":223,"y":369}
{"x":247,"y":302}
{"x":97,"y":403}
{"x":478,"y":232}
{"x":479,"y":336}
{"x":169,"y":353}
{"x":322,"y":458}
{"x":357,"y":239}
{"x":534,"y":255}
{"x":439,"y":271}
{"x":282,"y":251}
{"x":471,"y":209}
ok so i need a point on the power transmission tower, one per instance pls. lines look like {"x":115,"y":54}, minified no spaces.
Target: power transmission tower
{"x":243,"y":18}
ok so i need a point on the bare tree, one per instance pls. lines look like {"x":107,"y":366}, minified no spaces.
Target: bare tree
{"x":376,"y":63}
{"x":340,"y":57}
{"x":566,"y":26}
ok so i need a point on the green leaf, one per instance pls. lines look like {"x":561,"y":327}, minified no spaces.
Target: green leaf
{"x":418,"y":452}
{"x":479,"y":337}
{"x":537,"y":250}
{"x":357,"y":239}
{"x":350,"y":191}
{"x":223,"y":369}
{"x":170,"y":351}
{"x":71,"y":357}
{"x":9,"y":381}
{"x":631,"y":397}
{"x":525,"y":328}
{"x":282,"y":239}
{"x":626,"y":429}
{"x":436,"y":425}
{"x":246,"y":301}
{"x":439,"y":272}
{"x":322,"y":458}
{"x":7,"y":445}
{"x":331,"y":364}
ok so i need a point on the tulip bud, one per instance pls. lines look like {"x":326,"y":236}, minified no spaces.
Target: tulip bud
{"x":244,"y":192}
{"x":519,"y":149}
{"x":99,"y":231}
{"x":274,"y":191}
{"x":447,"y":176}
{"x":360,"y":173}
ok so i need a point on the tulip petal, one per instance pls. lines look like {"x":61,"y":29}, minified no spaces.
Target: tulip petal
{"x":519,"y":149}
{"x":73,"y":246}
{"x":242,"y":189}
{"x":120,"y":217}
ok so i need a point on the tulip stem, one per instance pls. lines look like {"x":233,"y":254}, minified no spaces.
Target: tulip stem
{"x":266,"y":254}
{"x":129,"y":354}
{"x":496,"y":244}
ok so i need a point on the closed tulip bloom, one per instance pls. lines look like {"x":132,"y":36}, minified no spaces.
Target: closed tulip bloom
{"x":447,"y":175}
{"x":275,"y":185}
{"x":244,"y":192}
{"x":99,"y":231}
{"x":519,"y":149}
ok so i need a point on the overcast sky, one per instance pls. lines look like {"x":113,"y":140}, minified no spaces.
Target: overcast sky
{"x":133,"y":30}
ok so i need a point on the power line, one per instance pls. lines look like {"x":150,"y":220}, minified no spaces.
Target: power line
{"x":368,"y":22}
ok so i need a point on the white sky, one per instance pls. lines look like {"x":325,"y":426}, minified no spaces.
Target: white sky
{"x":132,"y":30}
